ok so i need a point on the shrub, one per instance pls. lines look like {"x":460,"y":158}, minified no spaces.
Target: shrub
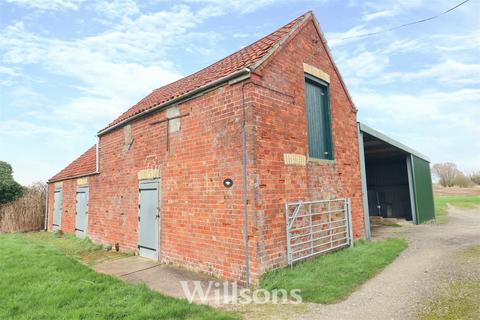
{"x":463,"y":181}
{"x":475,"y":177}
{"x":10,"y":190}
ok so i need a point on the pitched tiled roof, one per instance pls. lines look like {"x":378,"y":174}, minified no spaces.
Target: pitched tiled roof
{"x":246,"y":57}
{"x":83,"y":165}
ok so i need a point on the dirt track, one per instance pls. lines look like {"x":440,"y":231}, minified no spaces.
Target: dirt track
{"x":430,"y":261}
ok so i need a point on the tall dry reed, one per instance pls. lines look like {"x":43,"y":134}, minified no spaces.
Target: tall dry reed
{"x":27,"y":213}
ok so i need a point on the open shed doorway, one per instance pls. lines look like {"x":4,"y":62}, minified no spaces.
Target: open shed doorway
{"x":396,"y":180}
{"x":387,"y":174}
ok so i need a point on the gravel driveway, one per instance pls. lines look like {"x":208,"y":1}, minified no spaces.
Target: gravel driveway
{"x":430,"y":260}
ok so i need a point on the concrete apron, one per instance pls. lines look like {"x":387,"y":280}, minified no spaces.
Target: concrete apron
{"x":168,"y":279}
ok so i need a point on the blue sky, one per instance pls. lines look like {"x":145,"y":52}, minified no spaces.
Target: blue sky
{"x":69,"y":67}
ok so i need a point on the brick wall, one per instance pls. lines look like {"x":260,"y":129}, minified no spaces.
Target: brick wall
{"x":201,"y":220}
{"x":69,"y":194}
{"x":280,"y":127}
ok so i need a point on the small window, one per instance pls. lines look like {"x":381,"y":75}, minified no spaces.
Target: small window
{"x":318,"y":119}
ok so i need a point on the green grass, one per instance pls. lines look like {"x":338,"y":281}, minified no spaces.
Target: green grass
{"x":389,"y":224}
{"x":39,"y":281}
{"x":441,"y":203}
{"x":459,"y":300}
{"x":332,"y":277}
{"x":81,"y":249}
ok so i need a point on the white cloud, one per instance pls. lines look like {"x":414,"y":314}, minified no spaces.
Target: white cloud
{"x":379,"y":14}
{"x":116,"y":68}
{"x":424,"y":105}
{"x":376,"y":61}
{"x":8,"y":71}
{"x":16,"y":128}
{"x":422,"y":88}
{"x":8,"y":76}
{"x":113,"y":69}
{"x":402,"y":5}
{"x":451,"y":43}
{"x":447,"y":72}
{"x":336,"y":39}
{"x":48,"y":4}
{"x":441,"y":124}
{"x":117,"y":8}
{"x":361,"y":66}
{"x":217,"y":7}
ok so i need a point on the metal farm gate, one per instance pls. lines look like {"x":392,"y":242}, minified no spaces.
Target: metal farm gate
{"x":315,"y":227}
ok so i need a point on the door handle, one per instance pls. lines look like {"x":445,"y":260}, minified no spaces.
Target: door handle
{"x":138,"y":218}
{"x":157,"y":216}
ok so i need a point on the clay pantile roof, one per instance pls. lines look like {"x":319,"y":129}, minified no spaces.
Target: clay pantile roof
{"x":83,"y":165}
{"x":246,"y":57}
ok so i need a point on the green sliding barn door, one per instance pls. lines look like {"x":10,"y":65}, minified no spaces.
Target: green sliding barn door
{"x":422,"y":182}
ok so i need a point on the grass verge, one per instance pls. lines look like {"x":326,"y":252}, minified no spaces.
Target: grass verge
{"x":441,"y":203}
{"x":81,"y":249}
{"x":38,"y":281}
{"x":332,"y":277}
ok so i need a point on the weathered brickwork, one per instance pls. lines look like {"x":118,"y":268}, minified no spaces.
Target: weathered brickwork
{"x":201,"y":220}
{"x":69,"y":194}
{"x":280,"y":127}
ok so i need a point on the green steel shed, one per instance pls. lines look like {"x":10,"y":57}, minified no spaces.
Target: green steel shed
{"x":396,"y":180}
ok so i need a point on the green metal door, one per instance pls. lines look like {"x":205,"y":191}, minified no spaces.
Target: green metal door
{"x":423,"y":192}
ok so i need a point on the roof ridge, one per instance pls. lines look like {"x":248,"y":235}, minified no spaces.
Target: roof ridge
{"x":299,"y":22}
{"x":253,"y":54}
{"x":239,"y":50}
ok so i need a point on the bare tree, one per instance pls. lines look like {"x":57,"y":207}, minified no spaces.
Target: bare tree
{"x":475,"y":177}
{"x":446,"y":173}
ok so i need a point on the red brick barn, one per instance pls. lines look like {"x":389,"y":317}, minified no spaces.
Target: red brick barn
{"x":203,"y":164}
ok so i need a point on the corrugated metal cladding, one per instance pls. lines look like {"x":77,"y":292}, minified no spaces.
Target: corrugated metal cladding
{"x":422,"y":182}
{"x":395,"y":177}
{"x":388,"y":190}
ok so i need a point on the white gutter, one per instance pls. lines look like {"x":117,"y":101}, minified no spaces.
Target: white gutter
{"x":181,"y":98}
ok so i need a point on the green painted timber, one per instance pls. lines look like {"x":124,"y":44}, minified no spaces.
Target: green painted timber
{"x":423,"y":191}
{"x":320,"y":144}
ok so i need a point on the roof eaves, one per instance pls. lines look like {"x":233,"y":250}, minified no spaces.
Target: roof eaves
{"x":181,"y":98}
{"x":393,"y":142}
{"x":73,"y":177}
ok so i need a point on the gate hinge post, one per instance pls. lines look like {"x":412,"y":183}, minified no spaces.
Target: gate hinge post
{"x":350,"y":223}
